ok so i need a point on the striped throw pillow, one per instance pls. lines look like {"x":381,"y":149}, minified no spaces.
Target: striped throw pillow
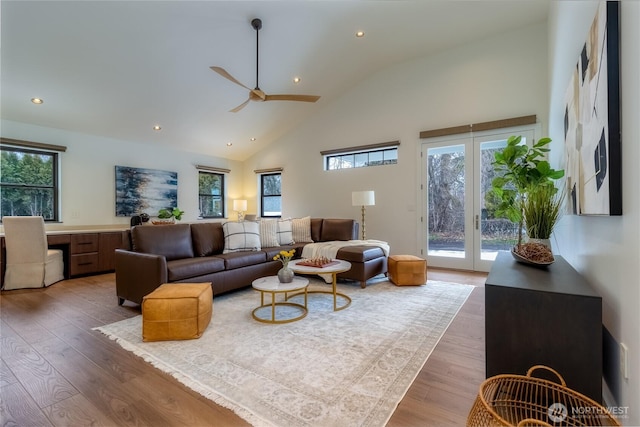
{"x":302,"y":229}
{"x":269,"y":233}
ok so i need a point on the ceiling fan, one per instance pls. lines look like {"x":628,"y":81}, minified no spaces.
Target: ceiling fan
{"x":257,"y":94}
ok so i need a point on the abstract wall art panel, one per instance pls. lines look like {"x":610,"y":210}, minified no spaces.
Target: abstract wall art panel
{"x":592,"y":120}
{"x":144,"y":190}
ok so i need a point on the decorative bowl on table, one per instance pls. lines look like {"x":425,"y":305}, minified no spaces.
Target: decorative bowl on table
{"x":533,"y":254}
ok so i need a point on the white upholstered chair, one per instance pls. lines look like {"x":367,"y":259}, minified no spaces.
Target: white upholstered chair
{"x":30,"y":263}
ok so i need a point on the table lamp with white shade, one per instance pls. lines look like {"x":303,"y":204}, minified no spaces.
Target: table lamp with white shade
{"x":240,"y":206}
{"x":363,"y":198}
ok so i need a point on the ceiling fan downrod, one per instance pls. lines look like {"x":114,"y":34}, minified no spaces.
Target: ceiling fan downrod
{"x":256,"y":23}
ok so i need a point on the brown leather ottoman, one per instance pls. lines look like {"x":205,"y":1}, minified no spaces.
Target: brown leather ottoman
{"x":407,"y":270}
{"x":366,"y":261}
{"x":176,"y":311}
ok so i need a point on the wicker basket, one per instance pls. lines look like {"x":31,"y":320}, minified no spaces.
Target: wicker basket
{"x":516,"y":400}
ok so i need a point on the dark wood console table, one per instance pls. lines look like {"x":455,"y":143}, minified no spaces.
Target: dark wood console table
{"x":543,"y":316}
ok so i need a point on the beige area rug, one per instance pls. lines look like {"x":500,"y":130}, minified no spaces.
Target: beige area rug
{"x":344,"y":368}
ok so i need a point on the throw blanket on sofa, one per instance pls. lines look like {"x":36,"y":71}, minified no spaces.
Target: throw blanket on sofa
{"x":330,"y":250}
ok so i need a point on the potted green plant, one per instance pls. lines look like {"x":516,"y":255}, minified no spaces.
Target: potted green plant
{"x":168,"y":216}
{"x":525,"y":179}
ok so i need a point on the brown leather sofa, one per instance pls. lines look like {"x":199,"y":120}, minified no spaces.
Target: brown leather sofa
{"x":192,"y":253}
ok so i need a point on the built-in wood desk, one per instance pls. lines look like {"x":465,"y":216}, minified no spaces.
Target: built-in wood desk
{"x":84,"y":251}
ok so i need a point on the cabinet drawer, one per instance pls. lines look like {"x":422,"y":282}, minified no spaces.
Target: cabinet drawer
{"x":58,"y":239}
{"x":84,"y":264}
{"x":84,"y":243}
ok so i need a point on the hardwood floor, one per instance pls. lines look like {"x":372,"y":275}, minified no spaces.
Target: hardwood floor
{"x":56,"y":371}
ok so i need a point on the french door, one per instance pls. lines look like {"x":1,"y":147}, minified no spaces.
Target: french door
{"x":459,"y":228}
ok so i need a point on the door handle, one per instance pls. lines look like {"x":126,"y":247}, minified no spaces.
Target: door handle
{"x":477,"y":222}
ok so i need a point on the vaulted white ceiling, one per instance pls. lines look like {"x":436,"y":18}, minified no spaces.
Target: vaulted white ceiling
{"x":117,"y":68}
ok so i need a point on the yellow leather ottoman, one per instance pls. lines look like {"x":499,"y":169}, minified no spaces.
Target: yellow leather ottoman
{"x":407,"y":270}
{"x":177,"y":311}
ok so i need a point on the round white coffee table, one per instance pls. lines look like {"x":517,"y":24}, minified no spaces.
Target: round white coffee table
{"x":271,"y":285}
{"x":337,"y":266}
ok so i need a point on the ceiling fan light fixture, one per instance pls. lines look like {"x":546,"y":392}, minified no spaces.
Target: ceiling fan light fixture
{"x":157,"y":127}
{"x":37,"y":101}
{"x":297,"y":80}
{"x":252,"y":139}
{"x":359,"y":33}
{"x":257,"y":94}
{"x":229,"y":144}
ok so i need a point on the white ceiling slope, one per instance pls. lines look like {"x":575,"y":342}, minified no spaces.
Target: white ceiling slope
{"x":116,"y":68}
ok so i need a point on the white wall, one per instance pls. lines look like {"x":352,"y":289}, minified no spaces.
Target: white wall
{"x":605,"y":250}
{"x":88,"y":172}
{"x":497,"y":78}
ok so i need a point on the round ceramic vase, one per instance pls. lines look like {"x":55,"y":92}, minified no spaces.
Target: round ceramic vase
{"x":285,"y":275}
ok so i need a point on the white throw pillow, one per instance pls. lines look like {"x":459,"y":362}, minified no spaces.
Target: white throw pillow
{"x":269,"y":233}
{"x":241,"y":236}
{"x":285,"y":232}
{"x":302,"y":230}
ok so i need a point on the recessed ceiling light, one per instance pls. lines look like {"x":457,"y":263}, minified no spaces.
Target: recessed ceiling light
{"x":37,"y":100}
{"x":253,"y":139}
{"x":157,"y":127}
{"x":359,"y":33}
{"x":229,"y":144}
{"x":296,"y":80}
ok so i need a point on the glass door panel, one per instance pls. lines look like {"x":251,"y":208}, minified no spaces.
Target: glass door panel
{"x":448,"y":204}
{"x":493,"y":234}
{"x":496,"y":234}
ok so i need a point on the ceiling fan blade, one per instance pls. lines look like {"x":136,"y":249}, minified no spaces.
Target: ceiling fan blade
{"x":303,"y":98}
{"x":227,"y":76}
{"x":240,"y":107}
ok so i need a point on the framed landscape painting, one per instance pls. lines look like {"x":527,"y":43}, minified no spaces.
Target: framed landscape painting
{"x":593,"y":167}
{"x":144,"y":190}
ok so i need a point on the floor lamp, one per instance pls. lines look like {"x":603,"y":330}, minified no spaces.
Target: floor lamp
{"x":240,"y":206}
{"x":363,"y":198}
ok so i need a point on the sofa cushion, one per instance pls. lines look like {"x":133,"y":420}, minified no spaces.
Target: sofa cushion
{"x":171,"y":241}
{"x":301,"y":230}
{"x":359,"y":253}
{"x":241,"y":236}
{"x":316,"y":229}
{"x":180,"y":269}
{"x":208,"y":238}
{"x":285,"y":232}
{"x":337,"y":229}
{"x":269,"y":233}
{"x":242,"y":259}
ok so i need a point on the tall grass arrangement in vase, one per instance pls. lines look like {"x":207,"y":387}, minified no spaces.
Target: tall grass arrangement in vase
{"x":541,"y":211}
